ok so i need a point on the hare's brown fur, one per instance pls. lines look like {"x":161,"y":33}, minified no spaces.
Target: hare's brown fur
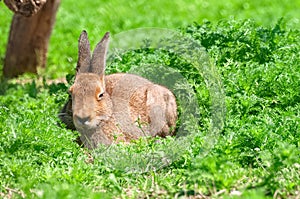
{"x":117,"y":107}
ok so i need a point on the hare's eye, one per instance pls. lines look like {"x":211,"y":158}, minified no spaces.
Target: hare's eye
{"x":100,"y":96}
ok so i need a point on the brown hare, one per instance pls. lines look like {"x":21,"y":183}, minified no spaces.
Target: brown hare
{"x":117,"y":107}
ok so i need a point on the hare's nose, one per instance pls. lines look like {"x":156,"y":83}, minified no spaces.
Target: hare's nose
{"x":82,"y":120}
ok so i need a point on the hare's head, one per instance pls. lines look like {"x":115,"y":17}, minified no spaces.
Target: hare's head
{"x":90,"y":103}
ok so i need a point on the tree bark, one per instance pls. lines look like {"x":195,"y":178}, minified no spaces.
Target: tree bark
{"x":28,"y":41}
{"x":25,"y":7}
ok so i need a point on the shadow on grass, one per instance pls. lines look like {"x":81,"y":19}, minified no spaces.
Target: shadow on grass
{"x":32,"y":86}
{"x":5,"y":85}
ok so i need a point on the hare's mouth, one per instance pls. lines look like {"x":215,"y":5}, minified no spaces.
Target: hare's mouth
{"x":84,"y":123}
{"x":88,"y":124}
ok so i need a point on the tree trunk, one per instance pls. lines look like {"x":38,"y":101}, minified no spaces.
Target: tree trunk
{"x":28,"y":40}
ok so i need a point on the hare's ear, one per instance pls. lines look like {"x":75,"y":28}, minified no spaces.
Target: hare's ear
{"x":99,"y":56}
{"x":84,"y":53}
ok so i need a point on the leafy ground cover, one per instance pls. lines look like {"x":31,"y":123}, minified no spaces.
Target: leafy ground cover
{"x":120,"y":15}
{"x":256,"y":155}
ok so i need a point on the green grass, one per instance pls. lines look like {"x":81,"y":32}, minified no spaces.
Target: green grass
{"x":118,"y":15}
{"x":257,"y":152}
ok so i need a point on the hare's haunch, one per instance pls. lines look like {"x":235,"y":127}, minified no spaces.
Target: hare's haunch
{"x":117,"y":107}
